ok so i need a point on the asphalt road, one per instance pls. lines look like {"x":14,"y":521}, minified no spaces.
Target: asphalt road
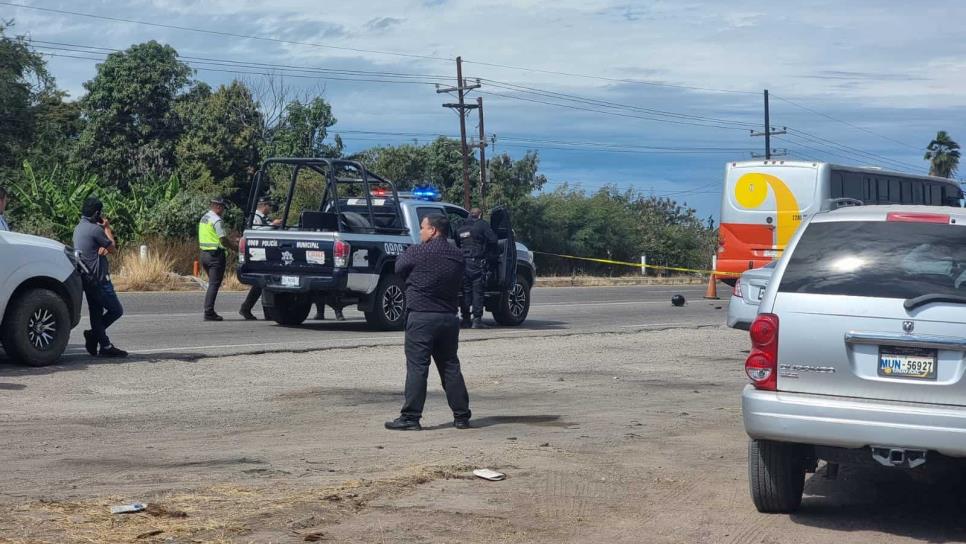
{"x":169,"y":325}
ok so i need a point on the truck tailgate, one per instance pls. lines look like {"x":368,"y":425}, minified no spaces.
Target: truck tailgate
{"x":281,"y":254}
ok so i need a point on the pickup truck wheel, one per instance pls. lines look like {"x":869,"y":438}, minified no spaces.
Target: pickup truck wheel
{"x":389,"y":311}
{"x":291,"y":310}
{"x":514,"y":305}
{"x":37,"y":327}
{"x":776,"y":473}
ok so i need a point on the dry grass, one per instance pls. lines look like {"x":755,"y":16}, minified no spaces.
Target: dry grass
{"x":167,"y":268}
{"x":223,"y":513}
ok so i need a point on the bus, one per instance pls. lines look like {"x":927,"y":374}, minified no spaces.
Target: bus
{"x":764,"y":202}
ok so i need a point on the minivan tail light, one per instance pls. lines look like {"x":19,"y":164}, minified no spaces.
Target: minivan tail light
{"x":340,"y":254}
{"x":911,"y":217}
{"x":737,"y":291}
{"x":761,"y":366}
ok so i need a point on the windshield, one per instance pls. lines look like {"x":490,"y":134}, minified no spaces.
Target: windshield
{"x":878,"y":259}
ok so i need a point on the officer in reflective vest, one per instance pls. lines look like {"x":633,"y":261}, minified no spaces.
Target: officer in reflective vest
{"x":212,"y":240}
{"x":477,"y":240}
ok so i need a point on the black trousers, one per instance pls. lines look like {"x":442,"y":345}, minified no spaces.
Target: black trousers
{"x":104,"y":307}
{"x":214,"y":263}
{"x":254,"y":294}
{"x":436,"y":336}
{"x":473,"y":288}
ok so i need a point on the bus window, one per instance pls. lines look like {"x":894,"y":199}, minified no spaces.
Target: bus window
{"x":868,"y":188}
{"x":905,"y":197}
{"x":853,"y":186}
{"x":918,"y":192}
{"x":883,"y":191}
{"x":936,"y":192}
{"x":837,"y":188}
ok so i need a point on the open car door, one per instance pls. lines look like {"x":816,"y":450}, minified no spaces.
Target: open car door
{"x":506,"y":268}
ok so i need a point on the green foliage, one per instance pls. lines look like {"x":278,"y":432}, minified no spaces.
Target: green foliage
{"x":943,"y":155}
{"x":24,"y":83}
{"x":217,"y":152}
{"x":176,"y":218}
{"x":301,"y":131}
{"x":132,"y":126}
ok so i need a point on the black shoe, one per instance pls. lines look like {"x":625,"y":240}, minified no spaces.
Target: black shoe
{"x":461,"y":423}
{"x":466,"y":324}
{"x":213,"y":317}
{"x":403,"y":424}
{"x":112,"y":352}
{"x":90,"y":343}
{"x":247,"y":314}
{"x":339,"y":316}
{"x":478,"y":323}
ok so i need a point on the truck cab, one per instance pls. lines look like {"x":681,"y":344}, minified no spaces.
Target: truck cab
{"x":342,"y":228}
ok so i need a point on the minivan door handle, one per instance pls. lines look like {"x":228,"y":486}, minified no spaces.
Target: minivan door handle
{"x":906,"y":340}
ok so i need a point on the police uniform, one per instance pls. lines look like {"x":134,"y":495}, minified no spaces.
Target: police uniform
{"x":211,"y":230}
{"x":475,"y":238}
{"x":259,"y":222}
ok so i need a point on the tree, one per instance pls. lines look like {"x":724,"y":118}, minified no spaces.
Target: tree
{"x":301,"y":130}
{"x":510,"y":181}
{"x":24,"y":83}
{"x":943,"y":155}
{"x":218,"y":149}
{"x":132,"y":126}
{"x":406,"y":165}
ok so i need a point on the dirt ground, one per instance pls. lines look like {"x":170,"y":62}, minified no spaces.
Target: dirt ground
{"x":630,"y":437}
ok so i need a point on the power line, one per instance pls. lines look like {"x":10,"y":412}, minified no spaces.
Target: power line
{"x":874,"y":156}
{"x":221,"y":33}
{"x":857,"y":127}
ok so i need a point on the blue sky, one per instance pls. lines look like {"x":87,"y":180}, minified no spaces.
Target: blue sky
{"x":878,"y":79}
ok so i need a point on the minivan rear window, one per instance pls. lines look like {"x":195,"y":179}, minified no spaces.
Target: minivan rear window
{"x":878,"y":259}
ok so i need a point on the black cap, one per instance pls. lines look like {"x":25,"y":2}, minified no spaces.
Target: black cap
{"x":218,"y":200}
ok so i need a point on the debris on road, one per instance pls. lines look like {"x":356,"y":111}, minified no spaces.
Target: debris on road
{"x":314,"y":537}
{"x":678,"y":300}
{"x":488,"y":474}
{"x":129,"y":508}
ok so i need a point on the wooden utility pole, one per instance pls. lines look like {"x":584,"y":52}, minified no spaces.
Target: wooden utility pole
{"x":461,"y":108}
{"x":768,"y":133}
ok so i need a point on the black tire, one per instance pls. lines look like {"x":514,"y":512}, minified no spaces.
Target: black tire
{"x":514,"y":305}
{"x":389,"y":307}
{"x":290,"y":310}
{"x":37,"y":327}
{"x":776,"y":473}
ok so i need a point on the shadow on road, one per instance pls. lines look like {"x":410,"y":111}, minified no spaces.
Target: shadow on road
{"x":361,"y":326}
{"x":490,"y":421}
{"x":931,"y":508}
{"x":8,"y":368}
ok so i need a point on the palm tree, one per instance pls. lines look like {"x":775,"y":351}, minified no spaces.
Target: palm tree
{"x":943,"y":155}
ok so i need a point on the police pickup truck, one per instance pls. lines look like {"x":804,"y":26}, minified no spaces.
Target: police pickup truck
{"x":343,"y":228}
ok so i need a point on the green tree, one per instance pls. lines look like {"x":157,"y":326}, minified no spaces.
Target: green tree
{"x":132,"y":126}
{"x":943,"y":155}
{"x":444,"y":168}
{"x":218,"y":148}
{"x":510,"y":181}
{"x":406,"y":165}
{"x":301,"y":131}
{"x":24,"y":83}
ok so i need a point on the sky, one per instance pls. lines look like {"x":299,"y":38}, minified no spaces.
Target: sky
{"x":656,"y":96}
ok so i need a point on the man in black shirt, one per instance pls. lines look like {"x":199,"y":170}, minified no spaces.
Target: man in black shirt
{"x":433,"y":272}
{"x":477,"y":241}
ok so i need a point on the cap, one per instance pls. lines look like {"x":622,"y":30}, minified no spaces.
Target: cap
{"x":266,"y":200}
{"x":218,"y":200}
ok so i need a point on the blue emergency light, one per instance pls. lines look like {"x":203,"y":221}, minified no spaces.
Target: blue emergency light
{"x":426,"y":192}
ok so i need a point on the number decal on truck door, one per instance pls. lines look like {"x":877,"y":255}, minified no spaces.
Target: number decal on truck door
{"x":394,"y":248}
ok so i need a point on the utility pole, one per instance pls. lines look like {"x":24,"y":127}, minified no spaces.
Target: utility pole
{"x":769,"y":132}
{"x":461,"y":108}
{"x":482,"y":146}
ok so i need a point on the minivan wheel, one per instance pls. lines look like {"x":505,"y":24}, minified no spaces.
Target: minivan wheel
{"x":776,"y":473}
{"x":37,"y":327}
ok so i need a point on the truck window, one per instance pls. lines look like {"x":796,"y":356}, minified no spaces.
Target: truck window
{"x":423,"y":211}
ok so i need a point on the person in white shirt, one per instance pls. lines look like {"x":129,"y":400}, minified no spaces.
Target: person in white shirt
{"x":259,"y":222}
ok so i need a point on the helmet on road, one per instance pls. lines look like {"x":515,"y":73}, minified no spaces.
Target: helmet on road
{"x":678,"y":300}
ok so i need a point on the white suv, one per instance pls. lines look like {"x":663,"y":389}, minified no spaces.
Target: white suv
{"x":859,"y":349}
{"x":40,"y":297}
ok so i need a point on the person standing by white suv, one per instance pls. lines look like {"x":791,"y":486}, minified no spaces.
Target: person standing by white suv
{"x":94,"y":240}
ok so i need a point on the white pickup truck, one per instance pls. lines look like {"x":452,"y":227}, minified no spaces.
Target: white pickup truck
{"x":344,"y":242}
{"x":40,"y":297}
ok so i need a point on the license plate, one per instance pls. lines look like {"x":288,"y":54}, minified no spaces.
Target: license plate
{"x":908,"y":363}
{"x":290,"y":281}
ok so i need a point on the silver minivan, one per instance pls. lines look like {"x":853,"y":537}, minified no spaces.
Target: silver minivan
{"x":858,"y":349}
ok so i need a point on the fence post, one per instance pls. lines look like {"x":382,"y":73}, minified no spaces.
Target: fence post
{"x":643,"y":265}
{"x":144,"y":252}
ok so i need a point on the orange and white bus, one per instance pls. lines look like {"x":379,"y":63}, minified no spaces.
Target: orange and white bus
{"x":764,"y":202}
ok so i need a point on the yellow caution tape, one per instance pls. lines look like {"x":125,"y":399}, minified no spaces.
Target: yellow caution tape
{"x":639,"y":265}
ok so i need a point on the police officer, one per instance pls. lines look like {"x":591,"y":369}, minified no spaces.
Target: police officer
{"x":213,"y":240}
{"x":259,"y":222}
{"x":476,"y":239}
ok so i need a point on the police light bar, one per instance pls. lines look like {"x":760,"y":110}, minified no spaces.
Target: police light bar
{"x":426,"y":192}
{"x":379,"y":191}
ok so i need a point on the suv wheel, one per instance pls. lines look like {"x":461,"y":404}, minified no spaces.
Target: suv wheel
{"x":37,"y":327}
{"x":291,"y":310}
{"x":776,"y":472}
{"x":514,"y":305}
{"x":389,"y":310}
